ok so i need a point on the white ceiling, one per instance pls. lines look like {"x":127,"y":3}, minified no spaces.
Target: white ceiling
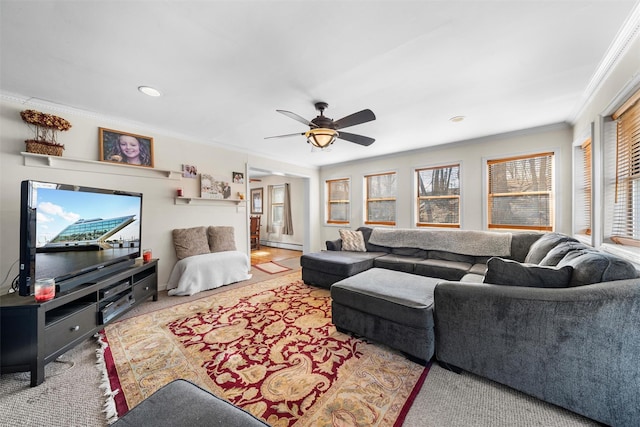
{"x":224,"y":67}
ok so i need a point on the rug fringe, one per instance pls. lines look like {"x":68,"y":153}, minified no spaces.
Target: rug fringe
{"x":109,"y":407}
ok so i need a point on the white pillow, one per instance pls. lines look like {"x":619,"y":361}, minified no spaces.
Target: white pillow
{"x":352,"y":241}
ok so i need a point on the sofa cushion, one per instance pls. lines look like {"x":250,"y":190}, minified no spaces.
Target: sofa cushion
{"x":352,"y":240}
{"x":411,"y":252}
{"x":366,"y":232}
{"x":595,"y":266}
{"x":221,"y":238}
{"x":339,"y":263}
{"x":443,"y":269}
{"x":521,"y":242}
{"x":450,"y":256}
{"x":397,"y":262}
{"x":479,"y":268}
{"x":556,"y":254}
{"x":544,"y":244}
{"x":190,"y":241}
{"x":334,"y":245}
{"x":502,"y":271}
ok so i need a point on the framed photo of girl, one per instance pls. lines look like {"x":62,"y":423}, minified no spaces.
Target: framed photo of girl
{"x":125,"y":148}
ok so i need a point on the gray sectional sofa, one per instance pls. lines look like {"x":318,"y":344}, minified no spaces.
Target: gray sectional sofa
{"x":545,"y":314}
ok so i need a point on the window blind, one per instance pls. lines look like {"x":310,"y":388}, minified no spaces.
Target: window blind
{"x":521,"y":192}
{"x":338,"y":201}
{"x":380,"y":202}
{"x":586,"y":180}
{"x":626,"y":216}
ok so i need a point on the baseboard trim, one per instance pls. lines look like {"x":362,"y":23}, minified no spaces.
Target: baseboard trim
{"x":290,"y":246}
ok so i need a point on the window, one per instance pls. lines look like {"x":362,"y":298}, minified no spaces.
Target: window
{"x":277,"y":204}
{"x":380,"y":200}
{"x":521,"y":192}
{"x":585,"y":193}
{"x":438,"y":203}
{"x":338,"y":201}
{"x":626,"y":215}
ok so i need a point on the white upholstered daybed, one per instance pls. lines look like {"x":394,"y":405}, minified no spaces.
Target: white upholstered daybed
{"x":207,"y":259}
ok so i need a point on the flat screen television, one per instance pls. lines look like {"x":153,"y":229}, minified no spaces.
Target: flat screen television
{"x":76,"y":234}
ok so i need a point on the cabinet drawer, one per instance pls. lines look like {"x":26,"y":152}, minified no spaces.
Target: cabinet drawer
{"x":145,"y":288}
{"x":70,"y":328}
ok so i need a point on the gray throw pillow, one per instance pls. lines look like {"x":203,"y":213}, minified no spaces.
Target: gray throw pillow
{"x":590,"y":266}
{"x":221,"y":238}
{"x":502,"y":271}
{"x":543,"y":245}
{"x":190,"y":241}
{"x":556,"y":254}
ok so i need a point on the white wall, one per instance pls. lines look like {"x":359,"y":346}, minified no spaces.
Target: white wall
{"x":472,"y":156}
{"x":160,"y":214}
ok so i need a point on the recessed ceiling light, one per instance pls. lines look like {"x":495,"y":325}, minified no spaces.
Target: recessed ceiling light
{"x":148,"y":90}
{"x":457,"y":119}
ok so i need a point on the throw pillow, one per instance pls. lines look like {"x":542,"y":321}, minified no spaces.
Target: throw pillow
{"x":352,"y":240}
{"x":190,"y":241}
{"x":543,"y":245}
{"x":502,"y":271}
{"x":221,"y":238}
{"x":556,"y":254}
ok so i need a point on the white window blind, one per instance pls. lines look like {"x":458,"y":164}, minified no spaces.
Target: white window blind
{"x":586,"y":187}
{"x":626,"y":211}
{"x":338,"y":201}
{"x":521,"y":192}
{"x":380,"y":201}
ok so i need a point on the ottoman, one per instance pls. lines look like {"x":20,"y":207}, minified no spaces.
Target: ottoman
{"x":391,"y":307}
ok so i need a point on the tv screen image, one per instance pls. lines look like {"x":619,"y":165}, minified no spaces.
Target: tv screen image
{"x":68,"y":231}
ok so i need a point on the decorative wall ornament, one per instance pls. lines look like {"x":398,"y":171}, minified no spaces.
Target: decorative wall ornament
{"x":44,"y":126}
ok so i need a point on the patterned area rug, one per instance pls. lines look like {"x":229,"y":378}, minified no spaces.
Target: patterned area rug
{"x":269,"y":348}
{"x":271,"y":267}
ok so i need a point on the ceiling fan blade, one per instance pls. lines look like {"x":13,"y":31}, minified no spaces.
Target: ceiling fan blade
{"x":355,"y":119}
{"x":285,"y":136}
{"x":297,"y":117}
{"x":358,"y":139}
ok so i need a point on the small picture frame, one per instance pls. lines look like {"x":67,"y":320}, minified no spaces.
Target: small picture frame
{"x":256,"y":201}
{"x":189,"y":171}
{"x":125,"y":148}
{"x":238,"y":177}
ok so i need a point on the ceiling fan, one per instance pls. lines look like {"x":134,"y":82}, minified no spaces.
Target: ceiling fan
{"x":323,"y":131}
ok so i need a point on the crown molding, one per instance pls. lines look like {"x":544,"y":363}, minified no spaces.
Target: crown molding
{"x":627,"y":34}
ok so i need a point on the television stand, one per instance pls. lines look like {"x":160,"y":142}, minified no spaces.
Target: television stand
{"x":33,"y":334}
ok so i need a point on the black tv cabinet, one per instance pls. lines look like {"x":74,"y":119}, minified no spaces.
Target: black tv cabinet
{"x":33,"y":334}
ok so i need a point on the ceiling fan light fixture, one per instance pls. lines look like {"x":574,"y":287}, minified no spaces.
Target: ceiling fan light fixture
{"x":321,"y":137}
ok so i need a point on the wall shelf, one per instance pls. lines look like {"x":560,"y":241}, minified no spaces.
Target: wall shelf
{"x":68,"y":163}
{"x":181,"y":200}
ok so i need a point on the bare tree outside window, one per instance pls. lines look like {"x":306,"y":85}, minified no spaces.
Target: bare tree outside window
{"x":439,"y":196}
